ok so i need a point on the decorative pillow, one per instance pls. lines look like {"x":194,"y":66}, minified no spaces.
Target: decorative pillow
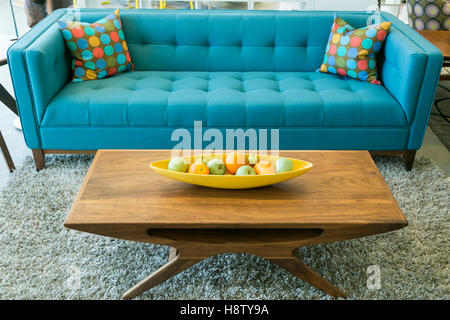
{"x":99,"y":49}
{"x":352,"y":52}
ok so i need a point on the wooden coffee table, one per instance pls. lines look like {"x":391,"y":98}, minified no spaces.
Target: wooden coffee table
{"x":343,"y":197}
{"x":441,"y":39}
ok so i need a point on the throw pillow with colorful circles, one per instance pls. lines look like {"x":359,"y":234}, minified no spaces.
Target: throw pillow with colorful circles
{"x":429,"y":14}
{"x":99,"y":49}
{"x":352,"y":52}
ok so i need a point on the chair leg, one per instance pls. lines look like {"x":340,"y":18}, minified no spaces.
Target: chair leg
{"x":39,"y":159}
{"x":408,"y":159}
{"x":6,"y":154}
{"x":8,"y":100}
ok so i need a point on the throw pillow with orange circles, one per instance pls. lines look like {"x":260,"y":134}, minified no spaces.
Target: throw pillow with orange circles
{"x":353,"y":52}
{"x":99,"y":49}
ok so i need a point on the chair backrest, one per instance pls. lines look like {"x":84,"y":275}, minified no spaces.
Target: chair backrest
{"x":429,"y":14}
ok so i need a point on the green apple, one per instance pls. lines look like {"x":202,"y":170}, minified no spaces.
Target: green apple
{"x":216,"y":166}
{"x":284,"y":165}
{"x":252,"y":158}
{"x":178,"y":164}
{"x":245,"y":171}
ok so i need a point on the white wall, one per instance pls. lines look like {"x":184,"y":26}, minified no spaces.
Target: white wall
{"x":344,"y":5}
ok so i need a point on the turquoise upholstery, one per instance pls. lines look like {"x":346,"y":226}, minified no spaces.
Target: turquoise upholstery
{"x":224,"y":99}
{"x":228,"y":69}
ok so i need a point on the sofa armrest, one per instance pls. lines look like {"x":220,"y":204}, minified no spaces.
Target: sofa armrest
{"x":410,"y":72}
{"x":40,"y":66}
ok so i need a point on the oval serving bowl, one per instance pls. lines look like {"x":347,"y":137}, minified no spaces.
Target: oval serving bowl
{"x":231,"y":181}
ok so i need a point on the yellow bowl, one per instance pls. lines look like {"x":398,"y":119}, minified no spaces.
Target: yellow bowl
{"x":232,"y":181}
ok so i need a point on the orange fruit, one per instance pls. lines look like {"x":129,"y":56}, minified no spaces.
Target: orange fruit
{"x":231,"y":162}
{"x":264,"y":167}
{"x":198,"y":168}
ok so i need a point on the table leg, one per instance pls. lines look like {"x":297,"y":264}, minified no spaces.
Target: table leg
{"x":177,"y":264}
{"x":189,"y":247}
{"x":167,"y":271}
{"x":302,"y":271}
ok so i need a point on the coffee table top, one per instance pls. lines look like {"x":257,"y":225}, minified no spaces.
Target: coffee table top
{"x":343,"y":189}
{"x":440,"y":38}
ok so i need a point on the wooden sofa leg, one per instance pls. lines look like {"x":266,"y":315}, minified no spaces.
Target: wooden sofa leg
{"x":408,"y":159}
{"x":39,"y":159}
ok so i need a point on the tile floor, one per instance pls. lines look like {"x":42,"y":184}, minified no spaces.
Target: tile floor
{"x":432,"y":147}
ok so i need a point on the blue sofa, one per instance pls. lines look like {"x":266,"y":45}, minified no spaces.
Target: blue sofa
{"x":228,"y":69}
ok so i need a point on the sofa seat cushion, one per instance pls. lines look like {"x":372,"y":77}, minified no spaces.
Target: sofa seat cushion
{"x":224,"y":99}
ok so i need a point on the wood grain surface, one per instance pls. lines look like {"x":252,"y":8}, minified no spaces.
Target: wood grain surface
{"x":343,"y":188}
{"x":440,"y":38}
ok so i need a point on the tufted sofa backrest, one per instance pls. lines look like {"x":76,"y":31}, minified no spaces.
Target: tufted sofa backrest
{"x":197,"y":40}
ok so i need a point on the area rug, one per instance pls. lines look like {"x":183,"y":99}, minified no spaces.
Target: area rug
{"x":40,"y":259}
{"x":437,"y":122}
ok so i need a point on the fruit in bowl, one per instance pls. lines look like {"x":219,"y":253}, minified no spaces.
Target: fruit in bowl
{"x":178,"y":164}
{"x":253,"y":158}
{"x":201,"y":160}
{"x":232,"y":170}
{"x":283,"y":165}
{"x":233,"y":161}
{"x":198,"y":168}
{"x":264,"y":167}
{"x":245,"y":171}
{"x":216,"y":166}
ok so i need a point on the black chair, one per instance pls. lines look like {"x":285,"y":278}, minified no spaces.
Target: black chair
{"x":9,"y":101}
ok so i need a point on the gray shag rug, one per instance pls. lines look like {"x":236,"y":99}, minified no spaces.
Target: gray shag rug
{"x":40,"y":259}
{"x":437,"y":122}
